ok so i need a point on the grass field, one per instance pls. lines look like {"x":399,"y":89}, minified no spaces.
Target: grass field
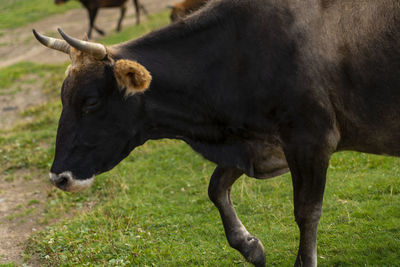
{"x":16,"y":13}
{"x":153,"y":208}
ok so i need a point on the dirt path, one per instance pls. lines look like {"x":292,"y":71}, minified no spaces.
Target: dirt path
{"x":19,"y":44}
{"x":22,"y":200}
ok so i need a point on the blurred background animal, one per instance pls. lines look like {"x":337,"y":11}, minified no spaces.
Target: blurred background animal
{"x":93,"y":6}
{"x":182,"y":9}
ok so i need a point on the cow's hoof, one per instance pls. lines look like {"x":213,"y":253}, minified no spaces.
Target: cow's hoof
{"x":254,"y":251}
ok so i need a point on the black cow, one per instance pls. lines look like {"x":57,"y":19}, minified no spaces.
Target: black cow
{"x":259,"y":87}
{"x":92,"y":7}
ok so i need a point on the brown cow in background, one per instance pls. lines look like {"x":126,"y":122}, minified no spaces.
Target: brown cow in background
{"x":93,"y":6}
{"x":182,"y":9}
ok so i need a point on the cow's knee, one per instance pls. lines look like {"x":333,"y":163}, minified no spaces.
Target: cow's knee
{"x":307,"y":214}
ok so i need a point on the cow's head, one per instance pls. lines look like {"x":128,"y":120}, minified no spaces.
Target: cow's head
{"x":101,"y":117}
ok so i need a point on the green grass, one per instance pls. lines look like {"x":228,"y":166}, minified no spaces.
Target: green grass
{"x":159,"y":213}
{"x":24,"y":73}
{"x":17,"y":13}
{"x":153,"y":208}
{"x":36,"y":135}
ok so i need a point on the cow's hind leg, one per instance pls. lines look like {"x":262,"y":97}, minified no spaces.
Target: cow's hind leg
{"x":237,"y":235}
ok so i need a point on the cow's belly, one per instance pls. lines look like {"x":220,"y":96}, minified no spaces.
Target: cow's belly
{"x":381,"y":138}
{"x":259,"y":159}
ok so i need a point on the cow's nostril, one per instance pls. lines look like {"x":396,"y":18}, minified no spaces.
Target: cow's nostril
{"x":62,"y":182}
{"x":67,"y":182}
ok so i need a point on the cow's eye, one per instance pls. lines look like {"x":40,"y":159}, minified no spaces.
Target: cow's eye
{"x":90,"y":104}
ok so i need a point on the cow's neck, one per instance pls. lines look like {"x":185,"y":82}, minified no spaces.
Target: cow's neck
{"x":185,"y":62}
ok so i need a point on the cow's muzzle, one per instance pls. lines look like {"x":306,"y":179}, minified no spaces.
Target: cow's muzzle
{"x":67,"y":182}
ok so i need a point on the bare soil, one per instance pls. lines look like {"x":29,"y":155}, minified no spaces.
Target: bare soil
{"x":22,"y":203}
{"x":20,"y":45}
{"x":19,"y":98}
{"x":22,"y":200}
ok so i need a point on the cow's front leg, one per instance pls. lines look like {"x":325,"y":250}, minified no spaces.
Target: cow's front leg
{"x":308,"y":169}
{"x":237,"y":235}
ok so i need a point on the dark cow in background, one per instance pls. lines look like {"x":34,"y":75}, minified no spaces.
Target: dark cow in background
{"x":182,"y":9}
{"x":273,"y":86}
{"x":92,"y":7}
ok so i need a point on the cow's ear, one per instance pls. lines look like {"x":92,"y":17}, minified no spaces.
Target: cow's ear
{"x":132,"y":76}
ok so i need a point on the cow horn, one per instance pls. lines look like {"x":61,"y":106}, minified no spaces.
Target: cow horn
{"x":97,"y":50}
{"x":53,"y":43}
